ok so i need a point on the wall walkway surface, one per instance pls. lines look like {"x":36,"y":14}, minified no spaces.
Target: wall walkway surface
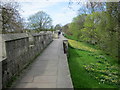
{"x":20,"y":49}
{"x":49,"y":70}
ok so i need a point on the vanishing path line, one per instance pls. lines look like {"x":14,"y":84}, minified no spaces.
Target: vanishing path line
{"x":49,"y":70}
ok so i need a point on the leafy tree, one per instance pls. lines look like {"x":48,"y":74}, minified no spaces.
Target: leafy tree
{"x":77,"y":25}
{"x":58,"y":27}
{"x":88,"y":7}
{"x":40,"y":21}
{"x":99,"y":27}
{"x":52,"y":29}
{"x":65,"y":28}
{"x":11,"y":19}
{"x":113,"y":9}
{"x":95,"y":6}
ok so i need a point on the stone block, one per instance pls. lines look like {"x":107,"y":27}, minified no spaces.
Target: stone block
{"x":19,"y":52}
{"x":0,"y":75}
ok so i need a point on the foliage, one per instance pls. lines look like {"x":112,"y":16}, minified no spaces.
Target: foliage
{"x":100,"y":28}
{"x":65,"y":28}
{"x":12,"y":22}
{"x":76,"y":26}
{"x":58,"y":27}
{"x":40,"y":21}
{"x":95,"y":67}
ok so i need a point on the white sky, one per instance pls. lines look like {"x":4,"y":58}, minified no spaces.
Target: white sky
{"x":58,"y":10}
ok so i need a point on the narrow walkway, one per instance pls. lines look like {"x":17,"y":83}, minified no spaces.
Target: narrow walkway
{"x":50,"y":69}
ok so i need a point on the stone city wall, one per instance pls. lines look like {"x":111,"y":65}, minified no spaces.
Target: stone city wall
{"x":0,"y":50}
{"x":19,"y":50}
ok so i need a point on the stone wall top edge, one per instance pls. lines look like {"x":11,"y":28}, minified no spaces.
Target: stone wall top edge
{"x":39,"y":34}
{"x":10,"y":37}
{"x":36,"y":34}
{"x":2,"y":59}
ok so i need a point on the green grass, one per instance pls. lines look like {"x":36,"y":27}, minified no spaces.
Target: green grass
{"x":88,"y":65}
{"x":70,"y":37}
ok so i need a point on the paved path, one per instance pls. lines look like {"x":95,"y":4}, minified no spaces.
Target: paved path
{"x":50,"y":69}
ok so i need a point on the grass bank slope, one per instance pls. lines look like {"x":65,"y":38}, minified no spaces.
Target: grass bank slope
{"x":90,"y":67}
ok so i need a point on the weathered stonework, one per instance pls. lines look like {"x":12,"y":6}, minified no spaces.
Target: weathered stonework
{"x":20,"y":49}
{"x":0,"y":50}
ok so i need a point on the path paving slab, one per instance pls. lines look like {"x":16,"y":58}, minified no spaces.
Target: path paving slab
{"x":49,"y":70}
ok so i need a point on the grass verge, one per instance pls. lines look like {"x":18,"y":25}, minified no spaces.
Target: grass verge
{"x":90,"y":68}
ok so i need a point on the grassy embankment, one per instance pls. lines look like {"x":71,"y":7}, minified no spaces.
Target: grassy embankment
{"x":90,"y":67}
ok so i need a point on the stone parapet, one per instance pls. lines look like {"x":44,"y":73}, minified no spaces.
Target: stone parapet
{"x":19,"y":50}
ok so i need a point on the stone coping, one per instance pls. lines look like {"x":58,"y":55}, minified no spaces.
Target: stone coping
{"x":9,"y":37}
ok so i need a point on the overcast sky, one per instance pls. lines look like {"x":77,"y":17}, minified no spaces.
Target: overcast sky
{"x":58,"y":10}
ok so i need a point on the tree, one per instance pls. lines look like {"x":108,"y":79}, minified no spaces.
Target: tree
{"x":113,"y":9}
{"x":11,"y":19}
{"x":58,"y":27}
{"x":101,"y":26}
{"x":87,"y":7}
{"x":95,"y":6}
{"x":76,"y":26}
{"x":65,"y":28}
{"x":40,"y":21}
